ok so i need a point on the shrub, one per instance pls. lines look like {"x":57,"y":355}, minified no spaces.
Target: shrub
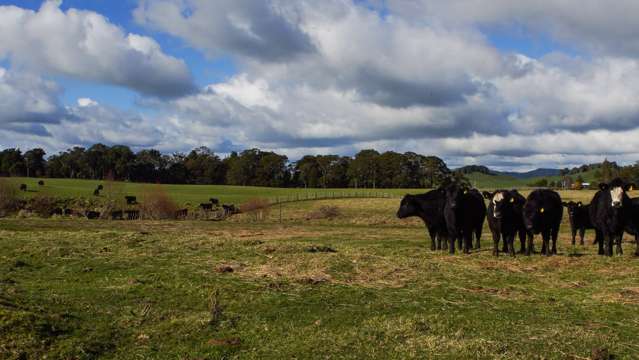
{"x":325,"y":212}
{"x":9,"y":198}
{"x":256,"y":208}
{"x":157,"y":204}
{"x":43,"y":205}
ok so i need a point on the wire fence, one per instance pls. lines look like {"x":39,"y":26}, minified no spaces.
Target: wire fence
{"x":312,"y":196}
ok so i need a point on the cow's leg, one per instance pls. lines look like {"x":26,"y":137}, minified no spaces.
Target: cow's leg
{"x":511,"y":244}
{"x":522,"y":240}
{"x":478,"y":237}
{"x":529,"y":248}
{"x":582,"y":233}
{"x":637,"y":243}
{"x":607,"y":240}
{"x":619,"y":247}
{"x":599,"y":240}
{"x":496,"y":243}
{"x":451,"y":244}
{"x":573,"y":233}
{"x":433,"y":238}
{"x":544,"y":243}
{"x":460,"y":245}
{"x":554,"y":234}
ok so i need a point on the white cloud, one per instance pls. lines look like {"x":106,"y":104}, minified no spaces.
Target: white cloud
{"x":85,"y":45}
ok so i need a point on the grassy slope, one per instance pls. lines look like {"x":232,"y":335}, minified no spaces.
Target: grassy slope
{"x":484,"y":181}
{"x":193,"y":194}
{"x":143,"y":290}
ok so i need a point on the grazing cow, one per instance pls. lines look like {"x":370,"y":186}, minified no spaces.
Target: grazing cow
{"x":206,"y":206}
{"x":92,"y":215}
{"x":609,"y":213}
{"x":579,"y":216}
{"x":117,"y":215}
{"x":542,"y":215}
{"x":96,"y":192}
{"x":41,"y":183}
{"x":67,"y":212}
{"x":182,"y":214}
{"x":23,"y":187}
{"x":100,"y":187}
{"x":230,"y":210}
{"x":430,"y":208}
{"x":632,"y":222}
{"x":132,"y":214}
{"x":131,"y":200}
{"x":214,"y":201}
{"x":465,"y":212}
{"x":505,"y":219}
{"x":57,"y":211}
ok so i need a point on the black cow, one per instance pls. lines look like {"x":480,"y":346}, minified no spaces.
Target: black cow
{"x":131,"y":200}
{"x":464,"y":212}
{"x":230,"y":210}
{"x":117,"y":215}
{"x":206,"y":206}
{"x":609,"y":213}
{"x":92,"y":215}
{"x":542,"y":215}
{"x":41,"y":183}
{"x":214,"y":201}
{"x":67,"y":212}
{"x":96,"y":192}
{"x":57,"y":211}
{"x":430,"y":208}
{"x":579,"y":216}
{"x":632,"y":222}
{"x":182,"y":214}
{"x":132,"y":214}
{"x":100,"y":187}
{"x":505,"y":219}
{"x":23,"y":187}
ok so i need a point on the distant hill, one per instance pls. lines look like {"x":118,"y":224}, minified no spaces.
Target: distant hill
{"x":541,"y":172}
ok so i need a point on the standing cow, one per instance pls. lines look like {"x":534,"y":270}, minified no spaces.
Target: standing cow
{"x":542,"y":215}
{"x":609,"y":215}
{"x":505,"y":219}
{"x":632,"y":222}
{"x":465,"y":212}
{"x":579,"y":216}
{"x":430,"y":208}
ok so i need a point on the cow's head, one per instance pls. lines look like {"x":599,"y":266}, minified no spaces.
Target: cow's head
{"x":572,"y":208}
{"x":617,"y":189}
{"x":408,"y":207}
{"x":454,"y":194}
{"x":501,"y":200}
{"x":533,"y":213}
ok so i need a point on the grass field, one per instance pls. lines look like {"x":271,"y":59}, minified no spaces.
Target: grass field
{"x":364,"y":285}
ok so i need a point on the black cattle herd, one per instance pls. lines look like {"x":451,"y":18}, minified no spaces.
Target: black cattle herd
{"x":454,"y":216}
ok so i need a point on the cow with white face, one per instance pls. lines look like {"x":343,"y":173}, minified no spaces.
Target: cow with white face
{"x":505,"y":219}
{"x":608,"y":214}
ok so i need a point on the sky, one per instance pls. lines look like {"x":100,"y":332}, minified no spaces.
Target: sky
{"x":512,"y":85}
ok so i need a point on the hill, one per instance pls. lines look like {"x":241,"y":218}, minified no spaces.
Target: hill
{"x":541,"y":172}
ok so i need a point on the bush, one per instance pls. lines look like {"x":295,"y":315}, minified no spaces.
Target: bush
{"x":325,"y":212}
{"x":256,"y":208}
{"x":43,"y":205}
{"x":157,"y":204}
{"x":9,"y":198}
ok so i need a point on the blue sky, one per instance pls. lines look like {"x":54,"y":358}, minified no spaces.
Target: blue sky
{"x":506,"y":84}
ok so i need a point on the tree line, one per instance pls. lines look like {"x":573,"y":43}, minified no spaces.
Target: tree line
{"x":251,"y":167}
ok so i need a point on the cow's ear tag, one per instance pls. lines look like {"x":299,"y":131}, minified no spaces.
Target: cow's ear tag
{"x":465,"y":191}
{"x":542,"y":210}
{"x":512,"y":200}
{"x":579,"y":204}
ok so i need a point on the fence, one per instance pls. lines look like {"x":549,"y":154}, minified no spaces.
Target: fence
{"x":312,"y":196}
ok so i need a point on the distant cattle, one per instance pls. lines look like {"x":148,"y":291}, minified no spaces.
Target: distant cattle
{"x":430,"y":208}
{"x":23,"y":187}
{"x":67,"y":212}
{"x":131,"y":200}
{"x":505,"y":219}
{"x":117,"y":215}
{"x":464,"y":212}
{"x":41,"y":183}
{"x":132,"y":214}
{"x":100,"y":187}
{"x":206,"y":206}
{"x":542,"y":215}
{"x":230,"y":210}
{"x":579,"y":216}
{"x":92,"y":215}
{"x":609,"y":213}
{"x":57,"y":211}
{"x":214,"y":201}
{"x":96,"y":192}
{"x":182,"y":214}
